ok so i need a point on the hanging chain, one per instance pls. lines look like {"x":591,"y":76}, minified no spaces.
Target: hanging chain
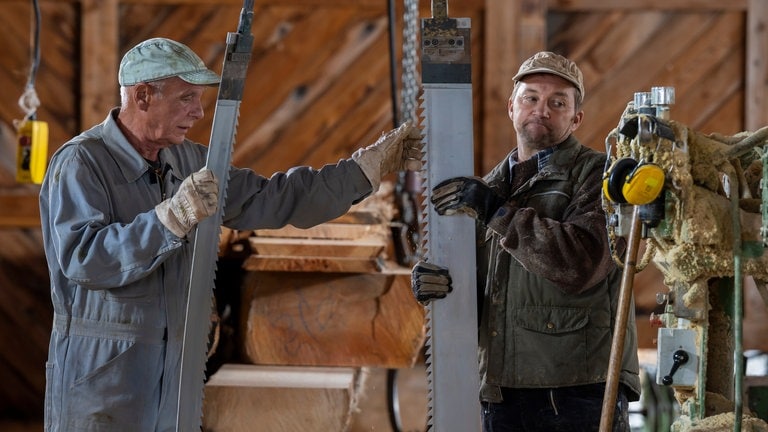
{"x":29,"y":102}
{"x":410,"y":85}
{"x":408,"y":188}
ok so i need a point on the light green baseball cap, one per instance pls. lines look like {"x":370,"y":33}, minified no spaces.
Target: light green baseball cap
{"x":159,"y":58}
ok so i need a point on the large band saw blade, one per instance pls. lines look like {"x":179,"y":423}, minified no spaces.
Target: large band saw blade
{"x":200,"y":297}
{"x":449,"y":241}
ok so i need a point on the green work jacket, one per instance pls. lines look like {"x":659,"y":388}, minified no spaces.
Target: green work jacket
{"x":550,"y":287}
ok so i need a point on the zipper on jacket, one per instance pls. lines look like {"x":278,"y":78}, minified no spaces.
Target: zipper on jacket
{"x":160,"y":176}
{"x":157,"y":175}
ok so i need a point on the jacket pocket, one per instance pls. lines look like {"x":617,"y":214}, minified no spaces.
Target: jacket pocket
{"x":552,"y":320}
{"x":133,"y":293}
{"x":550,"y":346}
{"x":113,"y":382}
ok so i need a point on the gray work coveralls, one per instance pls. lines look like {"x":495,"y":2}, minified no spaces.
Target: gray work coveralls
{"x":119,"y":277}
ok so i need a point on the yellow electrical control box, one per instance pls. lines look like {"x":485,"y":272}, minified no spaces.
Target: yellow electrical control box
{"x":32,"y":156}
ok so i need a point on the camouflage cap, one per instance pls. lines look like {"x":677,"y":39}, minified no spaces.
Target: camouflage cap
{"x":551,"y":63}
{"x":160,"y":58}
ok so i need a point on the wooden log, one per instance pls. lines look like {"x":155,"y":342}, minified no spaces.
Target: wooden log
{"x":328,"y":230}
{"x":331,"y":319}
{"x":368,"y":248}
{"x":276,"y":398}
{"x":312,"y":264}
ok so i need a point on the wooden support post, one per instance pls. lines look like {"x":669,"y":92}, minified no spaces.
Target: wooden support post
{"x":99,"y":59}
{"x":756,"y":67}
{"x":501,"y":62}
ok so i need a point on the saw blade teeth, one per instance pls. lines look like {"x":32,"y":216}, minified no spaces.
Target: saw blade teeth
{"x":426,"y":252}
{"x":429,"y":368}
{"x":445,"y":153}
{"x":424,"y":183}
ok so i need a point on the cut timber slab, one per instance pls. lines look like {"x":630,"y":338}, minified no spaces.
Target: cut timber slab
{"x":245,"y":375}
{"x":244,"y":398}
{"x":369,"y":248}
{"x":292,"y":263}
{"x":328,"y":230}
{"x":331,"y":319}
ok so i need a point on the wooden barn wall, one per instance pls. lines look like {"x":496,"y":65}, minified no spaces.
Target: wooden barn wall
{"x":319,"y":87}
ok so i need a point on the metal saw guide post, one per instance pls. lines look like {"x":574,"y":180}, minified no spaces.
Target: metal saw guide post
{"x":452,"y":368}
{"x":202,"y":275}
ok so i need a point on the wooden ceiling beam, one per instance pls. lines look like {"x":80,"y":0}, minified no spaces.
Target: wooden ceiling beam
{"x":19,"y":211}
{"x":99,"y":59}
{"x":648,"y":5}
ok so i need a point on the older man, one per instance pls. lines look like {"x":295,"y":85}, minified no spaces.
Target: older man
{"x":118,"y":206}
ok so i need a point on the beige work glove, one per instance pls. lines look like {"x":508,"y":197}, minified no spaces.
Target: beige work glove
{"x":397,"y":150}
{"x":196,"y":199}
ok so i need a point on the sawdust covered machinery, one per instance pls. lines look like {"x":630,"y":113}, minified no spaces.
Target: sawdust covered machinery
{"x":699,"y":202}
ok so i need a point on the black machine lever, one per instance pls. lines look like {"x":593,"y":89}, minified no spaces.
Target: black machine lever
{"x":680,"y":358}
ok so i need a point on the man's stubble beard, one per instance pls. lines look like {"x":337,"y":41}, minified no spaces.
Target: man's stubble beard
{"x":538,"y":141}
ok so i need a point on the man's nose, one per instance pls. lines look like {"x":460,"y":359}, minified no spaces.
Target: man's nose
{"x":197,"y":112}
{"x":542,"y":109}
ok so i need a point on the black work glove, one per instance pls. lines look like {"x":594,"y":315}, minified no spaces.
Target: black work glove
{"x":430,"y":281}
{"x":467,"y":195}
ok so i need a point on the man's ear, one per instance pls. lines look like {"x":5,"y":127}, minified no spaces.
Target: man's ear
{"x":577,"y":119}
{"x":141,"y":94}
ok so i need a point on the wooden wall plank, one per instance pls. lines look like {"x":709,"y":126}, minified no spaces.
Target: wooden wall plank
{"x":19,"y":211}
{"x":15,"y":61}
{"x":532,"y":33}
{"x":515,"y":31}
{"x":648,"y":5}
{"x":639,"y":68}
{"x":334,"y":53}
{"x":756,"y":100}
{"x":25,"y":323}
{"x":98,"y":60}
{"x":299,"y":3}
{"x":342,"y":75}
{"x":703,"y":110}
{"x":58,"y":80}
{"x":707,"y":73}
{"x":502,"y":61}
{"x":721,"y":117}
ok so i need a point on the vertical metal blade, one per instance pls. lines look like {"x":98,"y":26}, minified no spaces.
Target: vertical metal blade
{"x":450,"y":241}
{"x":202,"y":279}
{"x":205,"y":254}
{"x":452,"y":368}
